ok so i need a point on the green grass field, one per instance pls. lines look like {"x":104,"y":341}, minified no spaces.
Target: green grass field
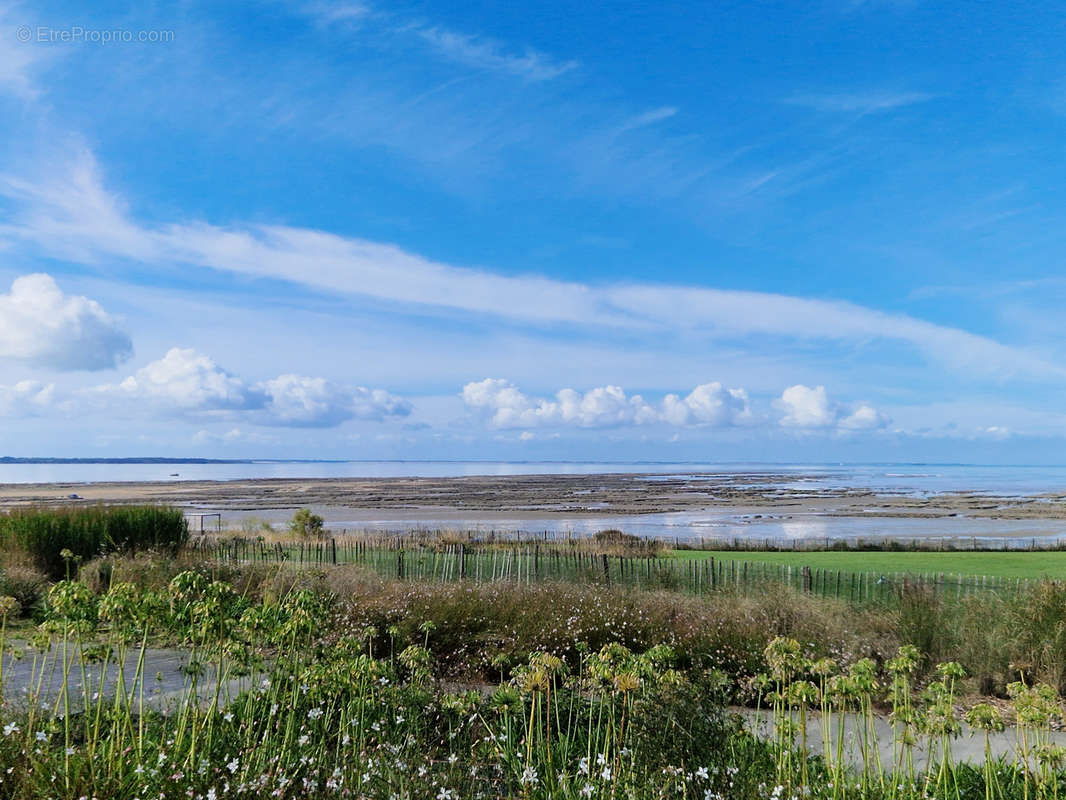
{"x":999,"y":564}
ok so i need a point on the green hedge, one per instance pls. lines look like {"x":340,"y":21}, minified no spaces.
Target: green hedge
{"x":88,"y":532}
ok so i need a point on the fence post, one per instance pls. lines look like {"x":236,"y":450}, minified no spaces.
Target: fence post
{"x":606,"y":570}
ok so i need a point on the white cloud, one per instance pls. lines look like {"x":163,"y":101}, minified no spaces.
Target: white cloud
{"x":805,"y":407}
{"x":864,"y":418}
{"x":191,"y":383}
{"x":708,"y":404}
{"x":26,"y":399}
{"x":808,"y":408}
{"x":506,"y":406}
{"x":186,"y":379}
{"x":75,"y":218}
{"x":315,"y":402}
{"x":44,"y":327}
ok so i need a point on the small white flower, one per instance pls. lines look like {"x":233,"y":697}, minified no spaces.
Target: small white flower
{"x":701,"y":773}
{"x":10,"y":728}
{"x":233,"y":766}
{"x":42,"y":736}
{"x":529,"y":777}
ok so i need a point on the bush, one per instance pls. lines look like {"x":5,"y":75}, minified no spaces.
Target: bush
{"x":25,"y":584}
{"x":306,"y":525}
{"x":43,"y":534}
{"x":615,"y":542}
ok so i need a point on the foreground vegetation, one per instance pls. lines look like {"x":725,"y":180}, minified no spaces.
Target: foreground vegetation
{"x":357,"y":686}
{"x":347,"y":680}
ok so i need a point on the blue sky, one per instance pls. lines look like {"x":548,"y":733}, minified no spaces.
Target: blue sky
{"x":803,"y":231}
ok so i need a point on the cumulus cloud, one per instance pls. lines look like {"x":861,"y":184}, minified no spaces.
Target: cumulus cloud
{"x":708,"y":404}
{"x":191,"y":383}
{"x":315,"y":402}
{"x":506,"y":406}
{"x":42,"y":326}
{"x":864,"y":418}
{"x":810,"y":408}
{"x":186,"y":379}
{"x":26,"y":399}
{"x":805,"y":407}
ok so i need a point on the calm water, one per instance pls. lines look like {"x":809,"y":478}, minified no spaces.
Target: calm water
{"x":907,"y":478}
{"x":723,"y":527}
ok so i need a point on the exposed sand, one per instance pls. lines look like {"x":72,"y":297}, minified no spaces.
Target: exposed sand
{"x":545,"y":497}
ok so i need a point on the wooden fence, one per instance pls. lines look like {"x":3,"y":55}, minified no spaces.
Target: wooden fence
{"x":530,"y":562}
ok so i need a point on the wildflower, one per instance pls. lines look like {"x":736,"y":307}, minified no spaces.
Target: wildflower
{"x":606,"y":774}
{"x":314,"y":713}
{"x":529,"y":777}
{"x":41,"y":736}
{"x":233,"y":766}
{"x":587,"y":790}
{"x":701,"y":773}
{"x":583,"y":766}
{"x":10,"y":728}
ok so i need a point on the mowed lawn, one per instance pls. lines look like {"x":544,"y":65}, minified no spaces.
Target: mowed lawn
{"x":998,"y":564}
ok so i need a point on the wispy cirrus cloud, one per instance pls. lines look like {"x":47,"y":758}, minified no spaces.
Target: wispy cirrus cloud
{"x":73,"y":216}
{"x":869,"y":102}
{"x":18,"y":56}
{"x":487,"y":54}
{"x":476,"y":52}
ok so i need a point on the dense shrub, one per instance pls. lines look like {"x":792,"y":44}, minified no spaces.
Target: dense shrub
{"x":43,"y":534}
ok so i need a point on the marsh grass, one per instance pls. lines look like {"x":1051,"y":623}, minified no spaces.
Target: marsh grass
{"x":52,"y":537}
